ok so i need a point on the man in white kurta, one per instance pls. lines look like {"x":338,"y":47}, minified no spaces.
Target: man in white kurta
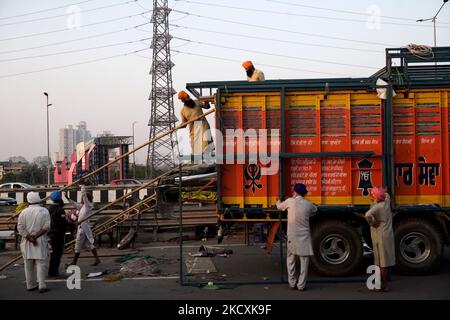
{"x":379,"y":217}
{"x":299,"y":246}
{"x":33,"y":225}
{"x":199,"y":131}
{"x":84,"y":237}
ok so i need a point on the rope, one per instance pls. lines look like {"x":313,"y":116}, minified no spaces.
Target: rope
{"x":421,"y":51}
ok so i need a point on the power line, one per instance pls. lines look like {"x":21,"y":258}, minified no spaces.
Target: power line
{"x":70,"y":65}
{"x":284,"y":30}
{"x":74,"y":40}
{"x":299,"y":14}
{"x":276,"y":54}
{"x":142,"y":7}
{"x":73,"y":51}
{"x":260,"y":64}
{"x":343,"y":11}
{"x":67,"y":14}
{"x":276,"y":40}
{"x":45,"y":10}
{"x":65,"y":29}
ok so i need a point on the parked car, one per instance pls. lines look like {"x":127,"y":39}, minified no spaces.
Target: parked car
{"x":120,"y":182}
{"x":15,"y":185}
{"x":8,"y":202}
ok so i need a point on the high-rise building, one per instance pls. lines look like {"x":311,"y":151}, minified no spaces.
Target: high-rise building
{"x":70,"y":137}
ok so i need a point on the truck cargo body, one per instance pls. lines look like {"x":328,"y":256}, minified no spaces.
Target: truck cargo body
{"x":340,"y":139}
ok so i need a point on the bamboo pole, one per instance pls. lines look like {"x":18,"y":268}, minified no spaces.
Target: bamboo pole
{"x":162,"y":135}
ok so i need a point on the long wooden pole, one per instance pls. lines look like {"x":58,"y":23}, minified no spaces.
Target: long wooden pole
{"x":162,"y":135}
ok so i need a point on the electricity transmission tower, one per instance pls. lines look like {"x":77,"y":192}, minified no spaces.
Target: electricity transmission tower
{"x":162,"y":115}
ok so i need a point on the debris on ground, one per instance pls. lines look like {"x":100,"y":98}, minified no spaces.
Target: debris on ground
{"x":210,"y":251}
{"x":200,"y":266}
{"x":96,"y":274}
{"x":210,"y":286}
{"x":199,"y":254}
{"x":113,"y":277}
{"x":140,"y":266}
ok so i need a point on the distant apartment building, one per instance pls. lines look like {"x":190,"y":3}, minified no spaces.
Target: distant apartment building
{"x":69,"y":137}
{"x":12,"y":167}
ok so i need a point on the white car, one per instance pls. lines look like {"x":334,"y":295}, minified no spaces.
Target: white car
{"x":15,"y":185}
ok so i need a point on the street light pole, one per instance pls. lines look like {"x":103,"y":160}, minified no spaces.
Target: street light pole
{"x":134,"y":153}
{"x":434,"y":21}
{"x":48,"y":142}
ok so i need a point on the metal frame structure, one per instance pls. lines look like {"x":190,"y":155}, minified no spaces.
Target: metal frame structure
{"x":100,"y":157}
{"x":182,"y":276}
{"x":416,"y":72}
{"x":284,"y":86}
{"x":162,"y":115}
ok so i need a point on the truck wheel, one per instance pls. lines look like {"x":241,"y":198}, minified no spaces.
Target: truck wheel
{"x":338,"y":249}
{"x":419,"y":247}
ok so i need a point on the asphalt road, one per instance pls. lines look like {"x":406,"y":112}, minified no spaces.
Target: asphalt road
{"x":245,"y":264}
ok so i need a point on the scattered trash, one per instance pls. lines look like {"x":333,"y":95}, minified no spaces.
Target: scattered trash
{"x":209,"y":251}
{"x":139,"y":266}
{"x":266,"y":278}
{"x":199,"y":254}
{"x":224,"y":275}
{"x":16,"y":265}
{"x":113,"y":277}
{"x":3,"y":277}
{"x":94,"y":274}
{"x":200,"y":266}
{"x":126,"y":242}
{"x":210,"y":286}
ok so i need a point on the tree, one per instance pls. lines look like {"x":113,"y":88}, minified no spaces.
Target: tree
{"x":31,"y":174}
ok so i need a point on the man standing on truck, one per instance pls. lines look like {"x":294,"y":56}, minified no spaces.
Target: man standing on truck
{"x":299,"y":244}
{"x":199,"y":131}
{"x":379,"y":217}
{"x":252,"y":73}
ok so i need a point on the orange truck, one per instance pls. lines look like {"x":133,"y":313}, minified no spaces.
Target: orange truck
{"x":341,"y":137}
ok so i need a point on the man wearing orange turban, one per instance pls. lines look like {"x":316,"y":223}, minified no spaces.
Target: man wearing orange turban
{"x":252,"y":73}
{"x":382,"y":233}
{"x":199,"y":131}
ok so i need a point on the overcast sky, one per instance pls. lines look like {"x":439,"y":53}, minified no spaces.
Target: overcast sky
{"x":112,"y":93}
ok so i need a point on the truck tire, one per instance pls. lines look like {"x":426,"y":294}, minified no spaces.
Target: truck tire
{"x":338,"y":249}
{"x":418,"y":247}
